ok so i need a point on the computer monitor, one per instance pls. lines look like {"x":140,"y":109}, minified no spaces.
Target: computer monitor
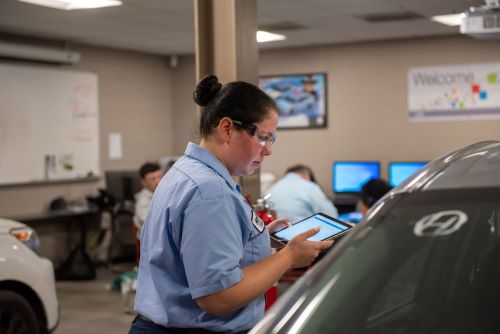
{"x":349,"y":176}
{"x":123,"y":185}
{"x":401,"y":170}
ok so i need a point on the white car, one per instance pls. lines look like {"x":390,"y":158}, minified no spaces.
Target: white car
{"x":28,"y":300}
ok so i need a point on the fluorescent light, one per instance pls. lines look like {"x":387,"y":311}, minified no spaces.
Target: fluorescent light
{"x":264,"y":36}
{"x":74,"y":4}
{"x":449,"y":20}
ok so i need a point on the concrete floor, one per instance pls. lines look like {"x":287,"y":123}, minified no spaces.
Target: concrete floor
{"x":91,"y":307}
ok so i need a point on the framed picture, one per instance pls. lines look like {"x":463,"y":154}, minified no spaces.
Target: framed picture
{"x":301,"y":99}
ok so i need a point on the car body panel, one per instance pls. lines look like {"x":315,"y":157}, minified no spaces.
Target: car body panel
{"x":6,"y":225}
{"x":20,"y":264}
{"x":464,"y":183}
{"x":471,"y":166}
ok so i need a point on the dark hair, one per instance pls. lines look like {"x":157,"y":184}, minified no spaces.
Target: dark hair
{"x":169,"y":165}
{"x":373,"y":190}
{"x":239,"y":100}
{"x":147,"y":168}
{"x":299,"y":168}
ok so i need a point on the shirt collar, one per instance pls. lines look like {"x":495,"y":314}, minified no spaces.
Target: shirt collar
{"x":292,"y":175}
{"x":208,"y":158}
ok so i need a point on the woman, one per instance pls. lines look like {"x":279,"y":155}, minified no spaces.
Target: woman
{"x":205,"y":255}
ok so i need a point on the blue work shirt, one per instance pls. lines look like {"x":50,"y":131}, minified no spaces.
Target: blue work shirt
{"x":198,"y":235}
{"x":296,"y":198}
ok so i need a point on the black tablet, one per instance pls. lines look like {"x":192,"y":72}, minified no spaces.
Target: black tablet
{"x":330,"y":228}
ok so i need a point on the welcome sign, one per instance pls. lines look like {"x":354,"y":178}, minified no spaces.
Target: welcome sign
{"x":454,"y":92}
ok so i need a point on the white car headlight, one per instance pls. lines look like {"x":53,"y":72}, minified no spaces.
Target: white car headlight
{"x":28,"y":236}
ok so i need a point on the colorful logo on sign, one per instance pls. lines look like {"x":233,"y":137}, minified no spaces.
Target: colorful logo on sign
{"x":461,"y":98}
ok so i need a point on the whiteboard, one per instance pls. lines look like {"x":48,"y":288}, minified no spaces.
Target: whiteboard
{"x":49,"y":124}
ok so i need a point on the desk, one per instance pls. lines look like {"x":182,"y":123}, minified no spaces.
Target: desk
{"x":345,"y":202}
{"x":78,"y":265}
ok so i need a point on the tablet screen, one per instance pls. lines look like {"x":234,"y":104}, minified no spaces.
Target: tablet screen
{"x":328,"y":228}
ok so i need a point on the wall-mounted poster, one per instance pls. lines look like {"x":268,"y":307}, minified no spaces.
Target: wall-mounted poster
{"x":454,"y":92}
{"x":301,"y":99}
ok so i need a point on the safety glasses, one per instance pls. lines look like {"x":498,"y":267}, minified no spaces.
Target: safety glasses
{"x":264,"y":137}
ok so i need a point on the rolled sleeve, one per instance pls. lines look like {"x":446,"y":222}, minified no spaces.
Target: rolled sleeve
{"x":211,"y":246}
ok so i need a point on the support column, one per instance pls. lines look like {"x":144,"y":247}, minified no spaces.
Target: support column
{"x":226,"y":46}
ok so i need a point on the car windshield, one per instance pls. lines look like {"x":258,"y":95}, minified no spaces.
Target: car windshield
{"x":426,"y":262}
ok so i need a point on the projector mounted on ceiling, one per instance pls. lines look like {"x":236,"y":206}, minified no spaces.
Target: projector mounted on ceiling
{"x":482,"y":22}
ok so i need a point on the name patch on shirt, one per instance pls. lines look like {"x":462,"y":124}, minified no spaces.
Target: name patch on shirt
{"x":257,"y":222}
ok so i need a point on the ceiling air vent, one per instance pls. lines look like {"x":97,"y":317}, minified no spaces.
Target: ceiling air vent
{"x":391,"y":17}
{"x":38,"y":53}
{"x":282,"y":26}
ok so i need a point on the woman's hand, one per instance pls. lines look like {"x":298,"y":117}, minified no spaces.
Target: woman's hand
{"x":275,"y":226}
{"x":303,"y":251}
{"x":278,"y":225}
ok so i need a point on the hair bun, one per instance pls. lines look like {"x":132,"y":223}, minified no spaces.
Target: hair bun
{"x":206,"y":89}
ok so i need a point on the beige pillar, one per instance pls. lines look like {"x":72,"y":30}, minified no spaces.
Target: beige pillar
{"x":226,"y":46}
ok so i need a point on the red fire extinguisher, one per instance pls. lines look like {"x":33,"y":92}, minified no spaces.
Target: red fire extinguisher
{"x":264,"y":210}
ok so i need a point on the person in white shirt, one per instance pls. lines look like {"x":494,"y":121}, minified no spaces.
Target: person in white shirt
{"x":151,"y":175}
{"x":297,"y":195}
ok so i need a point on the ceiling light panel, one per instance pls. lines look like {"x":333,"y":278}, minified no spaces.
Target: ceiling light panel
{"x":74,"y":4}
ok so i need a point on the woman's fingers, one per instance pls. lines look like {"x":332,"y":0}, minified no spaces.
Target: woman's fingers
{"x":307,"y":234}
{"x":278,"y":225}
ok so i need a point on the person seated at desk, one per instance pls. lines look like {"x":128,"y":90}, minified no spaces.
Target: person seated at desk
{"x":297,"y":195}
{"x":151,"y":175}
{"x":371,"y":192}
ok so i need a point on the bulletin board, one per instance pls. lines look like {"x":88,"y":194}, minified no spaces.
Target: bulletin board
{"x":49,"y":124}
